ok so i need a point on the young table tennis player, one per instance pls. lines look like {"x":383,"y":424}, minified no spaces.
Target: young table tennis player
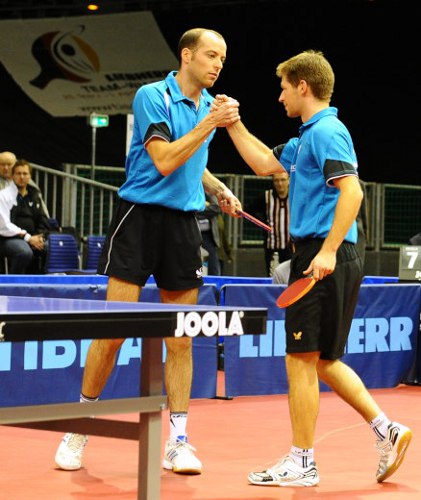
{"x":325,"y":196}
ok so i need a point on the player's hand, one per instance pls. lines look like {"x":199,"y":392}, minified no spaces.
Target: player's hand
{"x":225,"y":110}
{"x":229,"y":203}
{"x":322,"y":265}
{"x":221,"y":98}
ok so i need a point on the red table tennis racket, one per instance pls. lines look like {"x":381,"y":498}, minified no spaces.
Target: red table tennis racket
{"x":254,"y":220}
{"x":295,"y":291}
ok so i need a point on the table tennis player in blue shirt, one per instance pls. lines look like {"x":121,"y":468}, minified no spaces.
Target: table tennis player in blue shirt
{"x":154,"y":228}
{"x":325,"y":196}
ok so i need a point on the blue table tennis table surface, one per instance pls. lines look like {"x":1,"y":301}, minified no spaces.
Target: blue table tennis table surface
{"x":46,"y":318}
{"x":46,"y":305}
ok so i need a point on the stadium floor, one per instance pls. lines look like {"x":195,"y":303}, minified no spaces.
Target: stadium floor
{"x":232,"y":437}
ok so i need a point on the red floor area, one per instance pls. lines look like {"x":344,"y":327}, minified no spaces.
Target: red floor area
{"x":232,"y":438}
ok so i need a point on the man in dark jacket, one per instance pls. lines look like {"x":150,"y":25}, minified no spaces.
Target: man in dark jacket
{"x":23,"y":234}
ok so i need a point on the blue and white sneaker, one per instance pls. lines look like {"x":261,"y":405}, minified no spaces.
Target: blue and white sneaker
{"x":392,"y":450}
{"x":286,"y":473}
{"x":179,"y":457}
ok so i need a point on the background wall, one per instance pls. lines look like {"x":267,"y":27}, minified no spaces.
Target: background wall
{"x":251,"y":262}
{"x":369,"y":44}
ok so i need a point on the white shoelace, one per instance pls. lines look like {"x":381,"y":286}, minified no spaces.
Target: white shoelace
{"x":76,"y":443}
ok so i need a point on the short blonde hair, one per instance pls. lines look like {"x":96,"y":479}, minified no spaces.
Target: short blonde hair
{"x":314,"y":68}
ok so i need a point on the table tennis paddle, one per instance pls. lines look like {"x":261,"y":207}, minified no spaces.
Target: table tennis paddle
{"x":295,"y":291}
{"x":254,"y":220}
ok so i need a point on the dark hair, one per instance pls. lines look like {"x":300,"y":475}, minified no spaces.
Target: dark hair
{"x":22,"y":163}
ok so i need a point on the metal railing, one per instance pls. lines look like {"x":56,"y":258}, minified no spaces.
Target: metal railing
{"x":394,"y":211}
{"x":74,"y":201}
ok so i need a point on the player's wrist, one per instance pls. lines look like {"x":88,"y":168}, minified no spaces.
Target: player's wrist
{"x":224,"y":192}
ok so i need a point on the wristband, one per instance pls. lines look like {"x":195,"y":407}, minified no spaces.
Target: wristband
{"x":27,"y":237}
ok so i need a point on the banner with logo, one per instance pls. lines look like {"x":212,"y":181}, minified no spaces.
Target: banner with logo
{"x":381,"y":348}
{"x":75,"y":66}
{"x":51,"y":371}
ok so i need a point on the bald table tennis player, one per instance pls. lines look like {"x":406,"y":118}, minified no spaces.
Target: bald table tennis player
{"x":154,"y":229}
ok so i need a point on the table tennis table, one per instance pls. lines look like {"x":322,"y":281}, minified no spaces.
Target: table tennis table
{"x":40,"y":318}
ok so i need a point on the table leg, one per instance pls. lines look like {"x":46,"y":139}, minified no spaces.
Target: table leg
{"x":150,"y":424}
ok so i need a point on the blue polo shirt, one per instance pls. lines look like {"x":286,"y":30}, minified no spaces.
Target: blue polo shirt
{"x":161,"y":110}
{"x":323,"y":151}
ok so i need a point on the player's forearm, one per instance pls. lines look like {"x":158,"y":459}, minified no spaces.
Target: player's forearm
{"x":174,"y":154}
{"x":212,"y":184}
{"x":346,"y":212}
{"x":256,"y":154}
{"x":168,"y":156}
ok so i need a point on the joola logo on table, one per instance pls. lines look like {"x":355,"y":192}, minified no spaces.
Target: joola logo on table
{"x":210,"y":324}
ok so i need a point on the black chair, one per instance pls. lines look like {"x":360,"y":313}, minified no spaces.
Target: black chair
{"x":62,"y":254}
{"x":94,"y":246}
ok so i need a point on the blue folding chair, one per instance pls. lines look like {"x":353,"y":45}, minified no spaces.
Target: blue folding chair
{"x":62,"y":254}
{"x":94,"y":246}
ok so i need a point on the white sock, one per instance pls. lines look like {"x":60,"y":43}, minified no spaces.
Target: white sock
{"x":178,"y":424}
{"x":379,"y":425}
{"x":85,"y":399}
{"x":302,"y":456}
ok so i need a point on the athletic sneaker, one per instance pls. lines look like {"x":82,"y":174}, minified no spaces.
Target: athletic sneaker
{"x":392,"y":450}
{"x":70,"y":451}
{"x":286,"y":473}
{"x":179,"y":457}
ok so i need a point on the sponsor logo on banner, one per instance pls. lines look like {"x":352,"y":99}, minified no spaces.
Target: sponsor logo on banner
{"x":64,"y":55}
{"x":56,"y":354}
{"x":367,"y":335}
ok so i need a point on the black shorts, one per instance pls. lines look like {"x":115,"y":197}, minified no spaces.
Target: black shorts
{"x":321,"y":320}
{"x":150,"y":239}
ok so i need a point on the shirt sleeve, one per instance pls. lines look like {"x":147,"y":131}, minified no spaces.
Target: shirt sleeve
{"x":337,"y":155}
{"x":285,"y":153}
{"x":151,"y":111}
{"x":7,"y":200}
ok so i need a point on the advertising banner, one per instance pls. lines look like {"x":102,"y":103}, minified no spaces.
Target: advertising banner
{"x":75,"y":66}
{"x":381,"y":347}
